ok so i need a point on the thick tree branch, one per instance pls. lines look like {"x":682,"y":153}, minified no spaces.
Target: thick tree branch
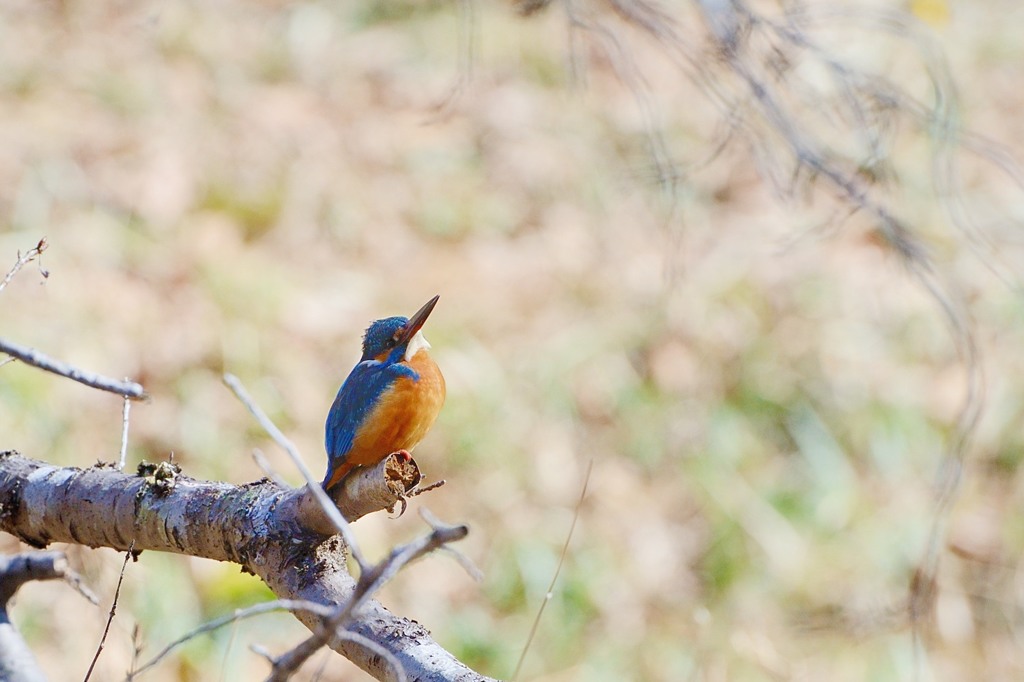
{"x":257,"y":525}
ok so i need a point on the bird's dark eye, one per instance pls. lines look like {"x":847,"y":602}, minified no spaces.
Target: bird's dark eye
{"x":393,"y":341}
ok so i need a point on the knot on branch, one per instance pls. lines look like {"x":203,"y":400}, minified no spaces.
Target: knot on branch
{"x":160,"y":477}
{"x":366,"y":490}
{"x":401,"y":473}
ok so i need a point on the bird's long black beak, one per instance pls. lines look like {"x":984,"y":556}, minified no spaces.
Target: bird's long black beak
{"x":416,"y":322}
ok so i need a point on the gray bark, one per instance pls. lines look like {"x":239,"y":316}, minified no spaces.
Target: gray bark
{"x":261,"y":526}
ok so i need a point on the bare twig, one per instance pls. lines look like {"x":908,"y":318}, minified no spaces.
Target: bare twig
{"x":7,"y":360}
{"x":404,"y":499}
{"x":325,"y":658}
{"x":113,"y":610}
{"x":290,"y":605}
{"x":227,"y":651}
{"x":137,"y":645}
{"x":373,"y":646}
{"x":124,"y":432}
{"x":558,"y":569}
{"x":74,"y":580}
{"x":340,"y":524}
{"x":370,"y":580}
{"x":471,"y":569}
{"x":23,"y":260}
{"x":378,"y":650}
{"x":264,"y":464}
{"x":427,"y":488}
{"x":440,"y":536}
{"x":33,"y":357}
{"x":263,"y":652}
{"x":467,"y":49}
{"x":19,"y":569}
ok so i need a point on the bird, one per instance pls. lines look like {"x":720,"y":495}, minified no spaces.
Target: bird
{"x":389,"y":400}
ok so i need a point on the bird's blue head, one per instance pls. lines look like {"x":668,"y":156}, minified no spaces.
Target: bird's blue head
{"x":397,"y":338}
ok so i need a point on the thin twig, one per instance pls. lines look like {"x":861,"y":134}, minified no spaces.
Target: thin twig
{"x":467,"y":50}
{"x":227,"y":651}
{"x":264,"y":464}
{"x":558,"y":569}
{"x":137,"y":646}
{"x":79,"y":586}
{"x":113,"y":610}
{"x":441,"y":534}
{"x":19,"y":569}
{"x":339,"y":522}
{"x":359,"y":639}
{"x":471,"y":569}
{"x":124,"y":433}
{"x":379,"y":650}
{"x":370,"y":580}
{"x":322,"y":667}
{"x":427,"y":488}
{"x":290,"y":605}
{"x":23,"y":260}
{"x":7,"y":360}
{"x":33,"y":357}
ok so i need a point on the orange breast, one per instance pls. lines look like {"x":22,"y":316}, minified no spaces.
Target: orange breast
{"x":404,"y":414}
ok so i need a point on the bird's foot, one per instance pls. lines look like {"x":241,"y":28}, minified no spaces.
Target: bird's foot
{"x":404,"y":501}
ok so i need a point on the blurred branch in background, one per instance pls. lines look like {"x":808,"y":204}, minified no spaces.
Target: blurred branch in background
{"x":17,"y":663}
{"x":818,"y":121}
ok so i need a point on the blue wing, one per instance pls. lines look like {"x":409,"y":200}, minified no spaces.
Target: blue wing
{"x":355,"y":401}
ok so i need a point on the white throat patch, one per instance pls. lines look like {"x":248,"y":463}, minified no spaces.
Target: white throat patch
{"x":417,"y":343}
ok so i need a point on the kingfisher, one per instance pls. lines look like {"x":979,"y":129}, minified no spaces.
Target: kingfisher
{"x":389,"y":400}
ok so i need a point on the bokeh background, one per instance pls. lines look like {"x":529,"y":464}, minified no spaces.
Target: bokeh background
{"x":766,"y":394}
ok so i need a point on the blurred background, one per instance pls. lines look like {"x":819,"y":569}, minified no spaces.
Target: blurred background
{"x":634,"y":272}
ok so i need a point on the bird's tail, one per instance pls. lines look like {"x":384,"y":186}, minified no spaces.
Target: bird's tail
{"x":336,"y":475}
